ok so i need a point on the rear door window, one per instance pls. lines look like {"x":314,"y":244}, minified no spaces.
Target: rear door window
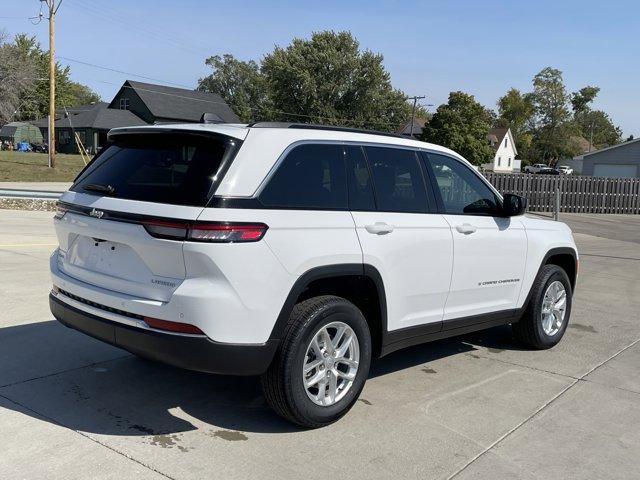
{"x":398,"y":180}
{"x":179,"y":169}
{"x":311,"y":176}
{"x":360,"y":184}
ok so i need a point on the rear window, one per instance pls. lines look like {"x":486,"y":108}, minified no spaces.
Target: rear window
{"x":179,"y":169}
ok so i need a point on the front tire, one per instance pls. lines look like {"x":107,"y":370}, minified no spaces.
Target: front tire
{"x":546,"y":318}
{"x":322,"y":363}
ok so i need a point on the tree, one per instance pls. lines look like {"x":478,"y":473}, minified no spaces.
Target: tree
{"x":553,"y":128}
{"x":516,"y":111}
{"x":240,"y":84}
{"x":17,"y":77}
{"x":462,"y":125}
{"x":32,"y":63}
{"x":328,"y":79}
{"x":598,"y":123}
{"x":581,"y":99}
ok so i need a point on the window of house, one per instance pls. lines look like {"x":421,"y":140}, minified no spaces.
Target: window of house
{"x":506,"y":142}
{"x":81,"y":136}
{"x":509,"y":161}
{"x":63,"y":137}
{"x":397,"y":179}
{"x":311,"y":176}
{"x":460,"y":188}
{"x":124,"y":104}
{"x":499,"y":160}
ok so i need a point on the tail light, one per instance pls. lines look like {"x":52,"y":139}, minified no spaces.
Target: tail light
{"x":177,"y":327}
{"x":215,"y":232}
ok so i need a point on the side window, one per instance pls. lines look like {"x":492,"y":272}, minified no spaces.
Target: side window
{"x":398,"y":181}
{"x":360,"y":188}
{"x":311,"y":176}
{"x":462,"y":192}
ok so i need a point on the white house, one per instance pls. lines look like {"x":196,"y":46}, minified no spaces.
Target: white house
{"x":501,"y":140}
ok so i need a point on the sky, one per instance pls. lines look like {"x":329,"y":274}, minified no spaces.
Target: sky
{"x":430,"y":47}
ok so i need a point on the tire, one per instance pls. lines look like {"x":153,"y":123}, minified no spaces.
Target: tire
{"x":283,"y":383}
{"x":530,"y":330}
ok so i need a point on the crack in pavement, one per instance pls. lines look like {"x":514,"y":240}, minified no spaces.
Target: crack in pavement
{"x":534,"y":414}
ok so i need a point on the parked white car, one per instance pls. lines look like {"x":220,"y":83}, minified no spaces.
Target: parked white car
{"x":298,"y":253}
{"x":565,"y":169}
{"x":535,"y":168}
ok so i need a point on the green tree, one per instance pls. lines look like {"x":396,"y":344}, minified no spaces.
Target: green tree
{"x":581,"y":99}
{"x":240,"y":84}
{"x":553,"y":127}
{"x":516,"y":111}
{"x":597,"y":126}
{"x":462,"y":125}
{"x":17,"y":78}
{"x":328,"y":79}
{"x":34,"y":101}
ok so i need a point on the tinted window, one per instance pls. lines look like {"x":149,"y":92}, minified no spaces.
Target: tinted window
{"x":462,"y":191}
{"x":176,"y":169}
{"x":360,"y":188}
{"x":398,"y":180}
{"x":311,"y":176}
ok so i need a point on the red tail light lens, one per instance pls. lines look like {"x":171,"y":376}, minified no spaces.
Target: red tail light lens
{"x":216,"y":232}
{"x":176,"y":327}
{"x":227,"y":232}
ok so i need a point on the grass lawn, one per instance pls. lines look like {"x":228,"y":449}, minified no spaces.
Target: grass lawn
{"x":32,"y":167}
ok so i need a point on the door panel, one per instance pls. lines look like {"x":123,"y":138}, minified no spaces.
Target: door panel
{"x":489,"y":251}
{"x":414,"y":260}
{"x":488,"y":264}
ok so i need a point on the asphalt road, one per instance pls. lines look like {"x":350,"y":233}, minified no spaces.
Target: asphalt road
{"x":471,"y":407}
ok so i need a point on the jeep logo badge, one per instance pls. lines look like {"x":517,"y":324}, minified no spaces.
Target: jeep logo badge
{"x":96,"y":213}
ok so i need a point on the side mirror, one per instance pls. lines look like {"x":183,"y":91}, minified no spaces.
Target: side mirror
{"x":513,"y":205}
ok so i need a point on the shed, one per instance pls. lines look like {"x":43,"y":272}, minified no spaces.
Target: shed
{"x":17,"y":132}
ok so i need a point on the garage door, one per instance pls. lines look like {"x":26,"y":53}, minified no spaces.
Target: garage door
{"x":614,"y":170}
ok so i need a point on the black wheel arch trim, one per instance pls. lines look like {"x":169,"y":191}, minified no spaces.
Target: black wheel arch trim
{"x":328,"y":271}
{"x":551,"y":253}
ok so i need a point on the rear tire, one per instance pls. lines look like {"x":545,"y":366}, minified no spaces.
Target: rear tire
{"x":547,"y":315}
{"x":341,"y":363}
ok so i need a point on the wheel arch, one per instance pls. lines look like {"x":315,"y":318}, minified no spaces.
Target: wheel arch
{"x":564,"y":257}
{"x":361,"y":284}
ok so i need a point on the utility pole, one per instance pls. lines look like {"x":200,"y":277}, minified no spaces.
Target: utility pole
{"x":591,"y":137}
{"x":53,"y":6}
{"x":413,"y":111}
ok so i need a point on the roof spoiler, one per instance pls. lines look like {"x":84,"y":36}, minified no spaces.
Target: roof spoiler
{"x":210,"y":118}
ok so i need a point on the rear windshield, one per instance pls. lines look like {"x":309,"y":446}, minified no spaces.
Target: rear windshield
{"x":180,"y":169}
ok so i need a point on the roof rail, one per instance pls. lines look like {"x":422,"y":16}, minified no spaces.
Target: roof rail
{"x":313,"y":126}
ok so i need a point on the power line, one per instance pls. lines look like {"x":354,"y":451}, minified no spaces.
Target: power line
{"x":122,"y":72}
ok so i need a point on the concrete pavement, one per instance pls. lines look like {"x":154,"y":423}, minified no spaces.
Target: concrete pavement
{"x":476,"y":407}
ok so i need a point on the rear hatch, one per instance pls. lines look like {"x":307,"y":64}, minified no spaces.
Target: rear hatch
{"x":141,"y":183}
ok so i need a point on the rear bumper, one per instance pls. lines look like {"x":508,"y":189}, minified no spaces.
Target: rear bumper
{"x":197,"y":353}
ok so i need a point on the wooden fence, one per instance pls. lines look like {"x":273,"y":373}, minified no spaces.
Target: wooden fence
{"x":578,"y":194}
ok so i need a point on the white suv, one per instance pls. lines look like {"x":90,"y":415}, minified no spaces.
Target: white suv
{"x":298,"y":253}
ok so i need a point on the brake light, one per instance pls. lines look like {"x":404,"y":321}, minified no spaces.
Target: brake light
{"x":177,"y":327}
{"x":216,"y":232}
{"x":227,"y":232}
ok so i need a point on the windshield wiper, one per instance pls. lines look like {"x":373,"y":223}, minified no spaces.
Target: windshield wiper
{"x":96,"y":187}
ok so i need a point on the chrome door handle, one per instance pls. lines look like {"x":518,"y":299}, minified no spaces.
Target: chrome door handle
{"x":379,"y":228}
{"x":466,"y":228}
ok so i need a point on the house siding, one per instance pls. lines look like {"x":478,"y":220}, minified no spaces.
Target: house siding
{"x":136,"y":105}
{"x":625,"y":154}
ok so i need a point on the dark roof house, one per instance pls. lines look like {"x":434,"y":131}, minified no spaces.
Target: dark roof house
{"x":160,"y":104}
{"x":418,"y":125}
{"x":136,"y":103}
